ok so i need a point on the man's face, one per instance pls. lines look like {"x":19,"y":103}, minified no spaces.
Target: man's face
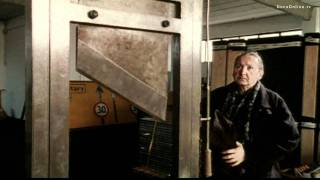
{"x":247,"y":72}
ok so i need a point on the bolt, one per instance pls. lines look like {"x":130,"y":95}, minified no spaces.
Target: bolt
{"x":165,"y":23}
{"x":93,"y":14}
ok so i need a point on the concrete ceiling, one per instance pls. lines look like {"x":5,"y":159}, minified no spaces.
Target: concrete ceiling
{"x":226,"y":11}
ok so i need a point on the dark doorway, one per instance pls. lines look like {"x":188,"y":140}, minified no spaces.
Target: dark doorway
{"x":103,"y":151}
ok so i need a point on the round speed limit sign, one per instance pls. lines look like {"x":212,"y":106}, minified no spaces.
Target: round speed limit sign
{"x":101,"y":109}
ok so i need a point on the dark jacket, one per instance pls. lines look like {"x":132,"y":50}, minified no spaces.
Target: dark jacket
{"x":274,"y":132}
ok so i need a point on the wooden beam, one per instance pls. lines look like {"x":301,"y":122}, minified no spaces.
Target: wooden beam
{"x":294,"y":7}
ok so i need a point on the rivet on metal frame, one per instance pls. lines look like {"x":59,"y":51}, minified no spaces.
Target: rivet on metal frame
{"x":165,"y":23}
{"x":93,"y":14}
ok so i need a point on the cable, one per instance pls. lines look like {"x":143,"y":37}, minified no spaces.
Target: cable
{"x":151,"y":141}
{"x":208,"y":153}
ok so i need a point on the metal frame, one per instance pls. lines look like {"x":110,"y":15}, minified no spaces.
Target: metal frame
{"x":37,"y":88}
{"x":48,"y":47}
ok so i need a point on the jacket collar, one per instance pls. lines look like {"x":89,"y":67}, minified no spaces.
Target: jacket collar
{"x":263,"y":98}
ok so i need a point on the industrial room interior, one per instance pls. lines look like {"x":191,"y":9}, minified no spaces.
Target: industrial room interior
{"x":112,"y":88}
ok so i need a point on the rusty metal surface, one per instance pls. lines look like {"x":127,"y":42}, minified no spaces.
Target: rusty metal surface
{"x":132,"y":63}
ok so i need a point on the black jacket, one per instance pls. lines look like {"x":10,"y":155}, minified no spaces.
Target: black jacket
{"x":274,"y":131}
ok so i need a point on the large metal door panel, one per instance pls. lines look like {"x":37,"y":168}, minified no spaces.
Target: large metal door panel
{"x":130,"y":62}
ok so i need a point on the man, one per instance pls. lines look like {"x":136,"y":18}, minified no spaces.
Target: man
{"x":265,"y":128}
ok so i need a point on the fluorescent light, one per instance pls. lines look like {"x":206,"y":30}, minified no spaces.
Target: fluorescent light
{"x":269,"y":35}
{"x":292,"y":33}
{"x":227,"y":39}
{"x":249,"y":37}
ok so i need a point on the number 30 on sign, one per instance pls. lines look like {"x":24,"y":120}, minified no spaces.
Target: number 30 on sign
{"x":101,"y":109}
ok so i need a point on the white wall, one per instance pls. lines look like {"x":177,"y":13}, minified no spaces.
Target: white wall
{"x":14,"y":95}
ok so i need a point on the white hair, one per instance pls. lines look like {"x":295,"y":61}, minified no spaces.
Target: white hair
{"x":254,"y":54}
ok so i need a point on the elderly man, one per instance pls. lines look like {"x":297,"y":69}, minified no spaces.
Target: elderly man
{"x":265,"y":128}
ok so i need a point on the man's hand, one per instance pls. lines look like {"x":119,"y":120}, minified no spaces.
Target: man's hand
{"x":234,"y":156}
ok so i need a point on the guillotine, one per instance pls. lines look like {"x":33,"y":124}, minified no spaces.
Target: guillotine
{"x":49,"y":24}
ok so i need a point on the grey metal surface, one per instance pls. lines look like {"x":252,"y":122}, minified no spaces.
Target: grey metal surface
{"x":37,"y":88}
{"x":150,"y":7}
{"x":196,"y":86}
{"x":59,"y":88}
{"x":142,"y":54}
{"x":138,"y":72}
{"x":190,"y":73}
{"x":107,"y":17}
